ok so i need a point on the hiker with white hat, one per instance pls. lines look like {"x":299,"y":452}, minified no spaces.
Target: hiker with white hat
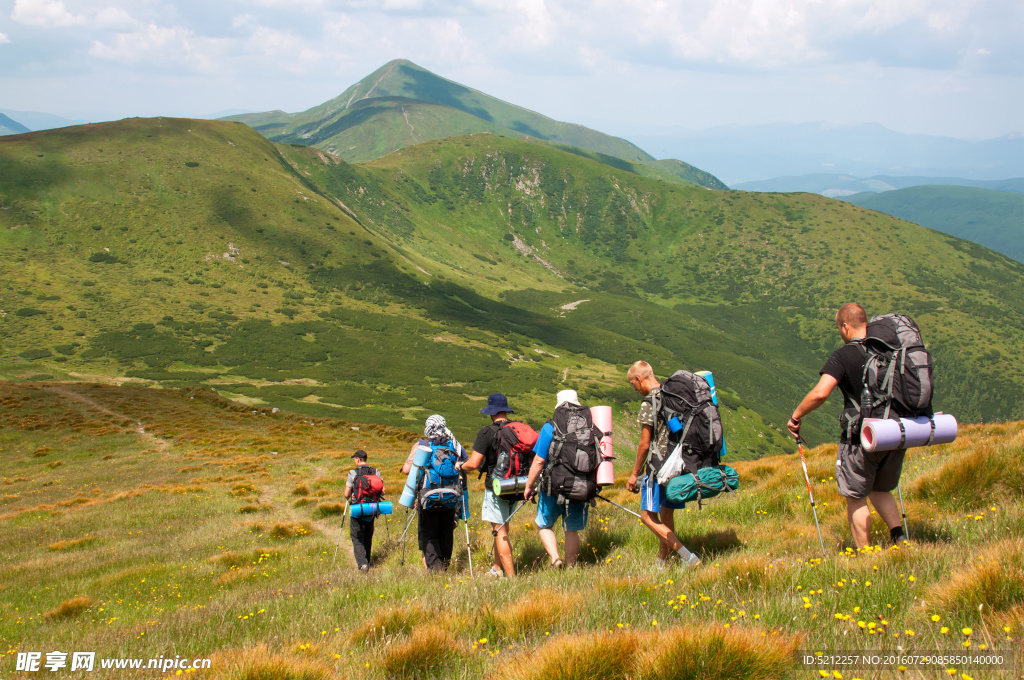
{"x":563,"y":475}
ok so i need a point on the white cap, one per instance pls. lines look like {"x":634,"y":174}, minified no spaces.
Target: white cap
{"x":567,"y":397}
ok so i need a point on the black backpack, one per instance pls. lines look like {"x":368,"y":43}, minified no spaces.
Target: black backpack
{"x":898,"y":377}
{"x":571,"y":472}
{"x":685,"y":405}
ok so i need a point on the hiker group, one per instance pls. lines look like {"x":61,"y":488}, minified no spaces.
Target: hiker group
{"x":883,"y":371}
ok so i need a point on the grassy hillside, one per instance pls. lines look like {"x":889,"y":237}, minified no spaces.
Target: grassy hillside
{"x":995,"y":219}
{"x":142,"y":523}
{"x":184,"y":252}
{"x":402,"y":104}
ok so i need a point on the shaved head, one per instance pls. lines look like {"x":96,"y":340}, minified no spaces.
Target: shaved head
{"x":852,"y":314}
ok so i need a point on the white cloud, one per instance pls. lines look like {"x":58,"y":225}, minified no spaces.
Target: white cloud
{"x":43,"y":13}
{"x":4,"y":39}
{"x":165,"y":46}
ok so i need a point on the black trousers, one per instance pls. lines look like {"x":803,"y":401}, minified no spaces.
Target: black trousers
{"x":436,"y":534}
{"x":362,"y":539}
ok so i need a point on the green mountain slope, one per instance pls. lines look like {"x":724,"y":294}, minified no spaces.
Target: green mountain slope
{"x":188,"y":252}
{"x":402,"y":104}
{"x":995,"y":219}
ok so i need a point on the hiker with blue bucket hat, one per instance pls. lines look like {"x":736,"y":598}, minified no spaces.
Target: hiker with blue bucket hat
{"x":502,"y":450}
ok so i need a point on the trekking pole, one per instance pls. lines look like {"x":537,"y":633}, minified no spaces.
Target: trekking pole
{"x":402,"y":538}
{"x":341,"y":530}
{"x":807,"y":478}
{"x":465,"y":522}
{"x":635,"y":514}
{"x":494,"y":532}
{"x":903,"y":511}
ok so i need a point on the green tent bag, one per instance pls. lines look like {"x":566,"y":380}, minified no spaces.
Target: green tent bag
{"x":707,"y":483}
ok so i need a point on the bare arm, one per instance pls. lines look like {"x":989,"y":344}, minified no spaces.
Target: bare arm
{"x":476,"y":459}
{"x":536,"y":468}
{"x":646,"y":432}
{"x":815,"y":398}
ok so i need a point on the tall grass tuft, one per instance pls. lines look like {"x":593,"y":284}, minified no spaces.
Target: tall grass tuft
{"x":389,"y":622}
{"x":608,"y":656}
{"x":995,"y":581}
{"x":432,"y":651}
{"x":259,"y":663}
{"x":975,"y":478}
{"x":714,"y":653}
{"x":537,"y":612}
{"x":69,"y":609}
{"x":702,"y":653}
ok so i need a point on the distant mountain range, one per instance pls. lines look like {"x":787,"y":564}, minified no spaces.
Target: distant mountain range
{"x":746,"y":153}
{"x":9,"y":126}
{"x":836,"y":186}
{"x":37,"y":120}
{"x":402,"y":104}
{"x":992,"y":218}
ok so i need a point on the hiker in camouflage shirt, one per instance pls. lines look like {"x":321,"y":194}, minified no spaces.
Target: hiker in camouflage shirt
{"x":656,"y":512}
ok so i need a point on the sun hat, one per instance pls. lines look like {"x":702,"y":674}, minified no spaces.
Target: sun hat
{"x":567,"y":397}
{"x":496,"y":403}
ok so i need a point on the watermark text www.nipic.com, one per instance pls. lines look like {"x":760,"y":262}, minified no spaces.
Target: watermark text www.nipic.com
{"x":39,"y":662}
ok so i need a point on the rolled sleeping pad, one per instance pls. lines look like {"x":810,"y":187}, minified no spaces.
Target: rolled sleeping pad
{"x":371,"y":509}
{"x":714,"y":400}
{"x":510,"y":486}
{"x":888,"y":434}
{"x":421,"y":458}
{"x":602,"y":416}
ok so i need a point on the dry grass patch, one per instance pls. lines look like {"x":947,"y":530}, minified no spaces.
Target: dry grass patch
{"x":431,"y":651}
{"x":701,"y":653}
{"x":384,"y":624}
{"x":42,"y":451}
{"x":285,"y":530}
{"x":995,"y":580}
{"x":61,"y":546}
{"x":536,"y":612}
{"x":69,"y":609}
{"x":327,"y":510}
{"x":975,"y":477}
{"x":259,"y":663}
{"x":714,"y":653}
{"x":236,"y":559}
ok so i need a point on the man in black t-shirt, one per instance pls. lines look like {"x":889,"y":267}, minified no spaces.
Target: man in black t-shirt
{"x":495,"y":509}
{"x":861,"y":475}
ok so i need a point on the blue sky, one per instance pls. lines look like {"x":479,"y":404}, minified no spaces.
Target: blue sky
{"x":948,"y":67}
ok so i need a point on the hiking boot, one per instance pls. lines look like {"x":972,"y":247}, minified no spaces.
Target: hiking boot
{"x":692,"y":562}
{"x":364,"y":567}
{"x":496,"y":573}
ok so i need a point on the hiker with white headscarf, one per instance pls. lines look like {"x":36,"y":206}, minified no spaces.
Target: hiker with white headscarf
{"x":437,"y":524}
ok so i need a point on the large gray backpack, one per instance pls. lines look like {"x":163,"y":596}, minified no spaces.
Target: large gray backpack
{"x":898,"y":374}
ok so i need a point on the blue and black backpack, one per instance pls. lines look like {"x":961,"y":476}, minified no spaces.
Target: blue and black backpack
{"x":440,"y":483}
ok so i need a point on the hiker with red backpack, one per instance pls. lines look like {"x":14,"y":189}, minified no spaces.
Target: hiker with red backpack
{"x":564,"y":475}
{"x":440,"y":497}
{"x":863,"y":475}
{"x":503,"y":450}
{"x":656,"y":512}
{"x":363,"y":485}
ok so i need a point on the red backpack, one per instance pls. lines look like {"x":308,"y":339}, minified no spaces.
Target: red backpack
{"x":515,"y":450}
{"x":367,"y":487}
